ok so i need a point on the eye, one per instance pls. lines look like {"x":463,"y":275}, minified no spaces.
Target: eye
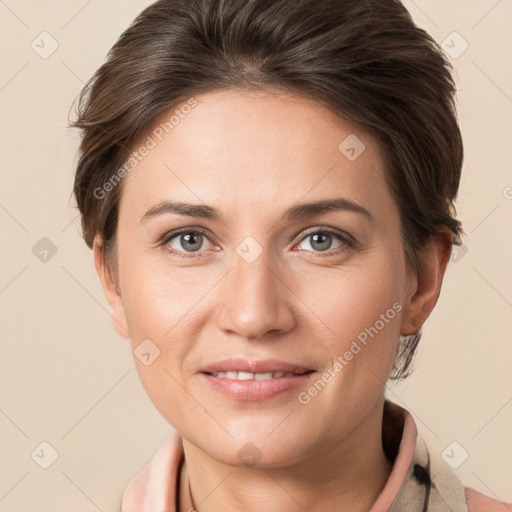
{"x":186,"y":241}
{"x":321,"y":240}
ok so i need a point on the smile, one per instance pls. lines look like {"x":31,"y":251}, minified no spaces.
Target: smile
{"x":247,"y":386}
{"x":256,"y":376}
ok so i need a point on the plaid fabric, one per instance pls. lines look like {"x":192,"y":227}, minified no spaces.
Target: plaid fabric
{"x":429,"y":486}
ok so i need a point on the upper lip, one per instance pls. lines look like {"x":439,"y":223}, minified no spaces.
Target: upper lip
{"x":261,"y":366}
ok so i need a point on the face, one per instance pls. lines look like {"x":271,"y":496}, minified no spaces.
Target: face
{"x":256,"y":275}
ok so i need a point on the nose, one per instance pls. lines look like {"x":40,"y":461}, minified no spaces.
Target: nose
{"x":256,"y":301}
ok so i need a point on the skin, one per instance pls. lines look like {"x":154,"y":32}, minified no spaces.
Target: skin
{"x":253,"y":155}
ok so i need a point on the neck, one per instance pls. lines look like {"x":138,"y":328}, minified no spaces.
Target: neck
{"x":347,"y":476}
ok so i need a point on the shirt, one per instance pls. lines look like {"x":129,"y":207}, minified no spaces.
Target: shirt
{"x":418,"y":482}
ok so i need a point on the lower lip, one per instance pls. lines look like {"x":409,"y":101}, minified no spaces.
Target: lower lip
{"x":253,"y":389}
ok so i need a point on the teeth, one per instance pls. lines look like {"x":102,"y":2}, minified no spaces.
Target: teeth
{"x":263,"y":376}
{"x":256,"y":376}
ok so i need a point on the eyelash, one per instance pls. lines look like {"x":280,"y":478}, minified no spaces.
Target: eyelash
{"x":348,"y":242}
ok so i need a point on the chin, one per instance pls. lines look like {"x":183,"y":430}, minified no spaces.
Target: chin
{"x":251,"y":447}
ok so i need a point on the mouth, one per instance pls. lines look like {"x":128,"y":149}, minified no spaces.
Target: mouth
{"x":241,"y":379}
{"x":245,"y":368}
{"x":241,"y":375}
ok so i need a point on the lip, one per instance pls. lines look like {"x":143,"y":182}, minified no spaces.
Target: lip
{"x":252,"y":390}
{"x":260,"y":366}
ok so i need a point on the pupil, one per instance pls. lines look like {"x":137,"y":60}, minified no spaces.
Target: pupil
{"x":323,"y":245}
{"x":187,"y":239}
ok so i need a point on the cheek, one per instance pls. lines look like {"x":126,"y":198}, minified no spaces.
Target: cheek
{"x":157,"y":297}
{"x":347,"y":301}
{"x":360,"y":311}
{"x":156,"y":310}
{"x":163,"y":305}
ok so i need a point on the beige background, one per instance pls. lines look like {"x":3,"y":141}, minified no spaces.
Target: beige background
{"x":69,"y":380}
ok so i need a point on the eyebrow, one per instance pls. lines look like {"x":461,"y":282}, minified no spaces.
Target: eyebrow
{"x":296,"y":212}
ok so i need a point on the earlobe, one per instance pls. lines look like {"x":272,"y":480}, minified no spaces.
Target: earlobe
{"x":425,"y":288}
{"x":110,"y":290}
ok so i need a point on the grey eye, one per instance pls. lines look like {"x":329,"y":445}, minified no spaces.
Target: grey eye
{"x":189,"y":241}
{"x":321,"y":241}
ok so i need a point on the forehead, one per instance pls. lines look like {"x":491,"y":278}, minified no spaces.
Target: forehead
{"x":255,"y":148}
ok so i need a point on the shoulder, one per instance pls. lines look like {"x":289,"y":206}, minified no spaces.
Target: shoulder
{"x":478,"y":502}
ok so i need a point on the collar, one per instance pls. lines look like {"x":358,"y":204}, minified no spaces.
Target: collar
{"x":417,"y":482}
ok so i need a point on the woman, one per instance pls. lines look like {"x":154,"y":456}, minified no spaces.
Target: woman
{"x":268,"y":190}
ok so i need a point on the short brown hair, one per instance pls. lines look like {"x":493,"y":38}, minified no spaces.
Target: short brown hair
{"x":365,"y":60}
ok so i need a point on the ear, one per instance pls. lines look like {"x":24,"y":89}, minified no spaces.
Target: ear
{"x":110,"y":290}
{"x":424,"y":288}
